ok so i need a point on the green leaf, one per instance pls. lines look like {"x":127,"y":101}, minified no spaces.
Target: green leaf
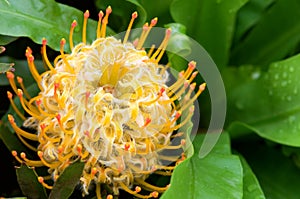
{"x":44,"y":18}
{"x":210,"y":22}
{"x":249,"y":15}
{"x":251,"y":185}
{"x":4,"y":40}
{"x":161,"y":11}
{"x":29,"y":183}
{"x":67,"y":181}
{"x":276,"y":34}
{"x":122,"y":11}
{"x":266,"y":102}
{"x":218,"y":175}
{"x":278,"y":176}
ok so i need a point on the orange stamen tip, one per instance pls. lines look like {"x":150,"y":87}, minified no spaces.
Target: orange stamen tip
{"x":20,"y":93}
{"x":192,"y":108}
{"x":79,"y":148}
{"x":40,"y":154}
{"x":147,"y":121}
{"x":60,"y":149}
{"x":192,"y":65}
{"x":86,"y":14}
{"x":31,"y":58}
{"x":186,"y":84}
{"x":202,"y":86}
{"x":145,"y":26}
{"x":94,"y":171}
{"x":38,"y":102}
{"x":193,"y":86}
{"x":23,"y":155}
{"x":138,"y":189}
{"x":74,"y":24}
{"x":10,"y":75}
{"x":162,"y":90}
{"x":109,"y":196}
{"x":43,"y":126}
{"x":183,"y":142}
{"x":58,"y":117}
{"x":41,"y":179}
{"x":178,"y":114}
{"x":14,"y":153}
{"x":56,"y":85}
{"x":19,"y":79}
{"x":100,"y":14}
{"x":168,"y":32}
{"x":9,"y":95}
{"x":11,"y":119}
{"x":154,"y":21}
{"x":62,"y":42}
{"x":108,"y":10}
{"x":87,"y":133}
{"x":44,"y":41}
{"x":126,"y":146}
{"x":153,"y":168}
{"x":154,"y":194}
{"x":134,"y":15}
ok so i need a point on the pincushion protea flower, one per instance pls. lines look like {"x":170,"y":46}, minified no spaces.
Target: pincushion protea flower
{"x":108,"y":105}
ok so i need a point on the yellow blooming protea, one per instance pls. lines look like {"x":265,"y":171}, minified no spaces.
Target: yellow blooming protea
{"x":106,"y":104}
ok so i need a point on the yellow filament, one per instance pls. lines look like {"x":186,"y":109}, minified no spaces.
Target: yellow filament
{"x":125,"y":188}
{"x":163,"y":173}
{"x":24,"y":90}
{"x":98,"y":191}
{"x":32,"y":163}
{"x":201,"y":88}
{"x":34,"y":73}
{"x":16,"y":109}
{"x":151,"y":50}
{"x":22,"y":132}
{"x":13,"y":84}
{"x":28,"y":110}
{"x":105,"y":21}
{"x":50,"y":165}
{"x":86,"y":15}
{"x":150,"y":186}
{"x":71,"y":70}
{"x":99,"y":24}
{"x":74,"y":23}
{"x":134,"y":15}
{"x":26,"y":143}
{"x":44,"y":54}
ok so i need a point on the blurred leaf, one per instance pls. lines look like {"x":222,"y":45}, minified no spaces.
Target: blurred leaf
{"x":251,"y":185}
{"x":29,"y":183}
{"x":210,"y":22}
{"x":293,"y":153}
{"x":67,"y":181}
{"x":4,"y":40}
{"x":268,"y":103}
{"x":218,"y":175}
{"x":44,"y":18}
{"x":276,"y":34}
{"x":249,"y":15}
{"x":122,"y":11}
{"x":161,"y":11}
{"x":278,"y":176}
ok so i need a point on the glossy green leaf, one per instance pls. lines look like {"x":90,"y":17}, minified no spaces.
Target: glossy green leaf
{"x":210,"y":22}
{"x":278,"y":176}
{"x":122,"y":11}
{"x":276,"y":34}
{"x":4,"y":40}
{"x":218,"y":175}
{"x":29,"y":183}
{"x":67,"y":181}
{"x":252,"y":188}
{"x":44,"y":18}
{"x":267,"y":102}
{"x":249,"y":15}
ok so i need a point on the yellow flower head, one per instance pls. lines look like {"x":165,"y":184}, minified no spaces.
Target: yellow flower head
{"x":107,"y":104}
